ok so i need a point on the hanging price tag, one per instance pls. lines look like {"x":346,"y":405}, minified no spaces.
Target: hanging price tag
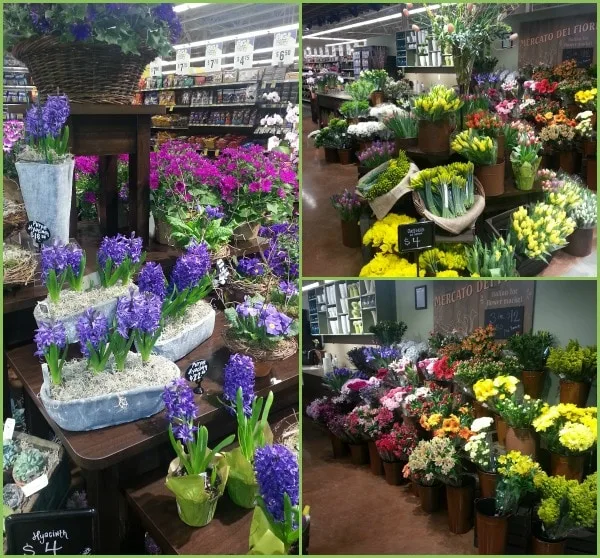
{"x":244,"y":54}
{"x":156,"y":67}
{"x":284,"y":46}
{"x":195,"y":374}
{"x":212,"y":62}
{"x":182,"y":61}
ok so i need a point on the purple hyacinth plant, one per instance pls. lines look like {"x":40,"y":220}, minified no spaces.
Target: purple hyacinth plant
{"x":152,"y":279}
{"x":46,"y":130}
{"x":119,"y":258}
{"x":60,"y":264}
{"x":51,"y":343}
{"x":92,"y":330}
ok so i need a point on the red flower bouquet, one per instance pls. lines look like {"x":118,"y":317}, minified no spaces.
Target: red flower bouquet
{"x":443,"y":370}
{"x":398,"y":444}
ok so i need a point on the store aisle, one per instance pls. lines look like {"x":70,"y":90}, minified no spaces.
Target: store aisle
{"x":355,"y":512}
{"x":324,"y":255}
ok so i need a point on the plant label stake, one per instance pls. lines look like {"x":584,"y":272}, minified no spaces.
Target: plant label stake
{"x":223,"y":273}
{"x":416,"y":237}
{"x":195,"y":374}
{"x":38,"y":232}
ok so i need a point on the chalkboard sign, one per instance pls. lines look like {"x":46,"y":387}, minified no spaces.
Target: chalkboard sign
{"x":38,"y":231}
{"x":195,"y":373}
{"x":583,"y":56}
{"x":56,"y":532}
{"x":417,"y":236}
{"x":507,"y":321}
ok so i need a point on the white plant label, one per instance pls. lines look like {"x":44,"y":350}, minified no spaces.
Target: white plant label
{"x":243,"y":56}
{"x":182,"y":61}
{"x":9,"y":429}
{"x":156,"y":67}
{"x":212,"y":61}
{"x":35,"y":485}
{"x":284,"y":46}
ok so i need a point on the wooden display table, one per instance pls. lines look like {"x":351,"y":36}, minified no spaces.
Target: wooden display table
{"x":108,"y":131}
{"x":102,"y":454}
{"x":329,"y":103}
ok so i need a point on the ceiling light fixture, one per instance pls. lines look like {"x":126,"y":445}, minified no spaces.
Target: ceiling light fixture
{"x":185,"y":7}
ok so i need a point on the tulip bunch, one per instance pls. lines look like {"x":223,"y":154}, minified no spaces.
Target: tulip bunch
{"x":438,"y":104}
{"x":527,"y":149}
{"x":479,"y":149}
{"x":485,"y":123}
{"x":491,"y":260}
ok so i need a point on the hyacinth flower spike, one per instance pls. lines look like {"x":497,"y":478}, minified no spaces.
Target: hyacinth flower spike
{"x":92,"y":330}
{"x":51,"y":342}
{"x":119,"y":258}
{"x":62,"y":264}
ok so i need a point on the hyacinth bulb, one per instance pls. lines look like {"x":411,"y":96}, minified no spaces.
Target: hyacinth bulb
{"x":415,"y":28}
{"x":405,"y":12}
{"x":514,"y":37}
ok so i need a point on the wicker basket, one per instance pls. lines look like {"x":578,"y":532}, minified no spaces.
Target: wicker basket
{"x":285,"y":349}
{"x":459,"y":224}
{"x":86,"y":73}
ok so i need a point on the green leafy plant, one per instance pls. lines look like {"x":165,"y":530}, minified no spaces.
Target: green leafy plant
{"x":388,"y":332}
{"x":360,"y":90}
{"x":574,"y":362}
{"x":354,"y":109}
{"x":377,"y":77}
{"x":403,"y":125}
{"x":532,"y":349}
{"x":202,"y":227}
{"x":519,"y":412}
{"x":29,"y":465}
{"x":494,"y":260}
{"x":10,"y":451}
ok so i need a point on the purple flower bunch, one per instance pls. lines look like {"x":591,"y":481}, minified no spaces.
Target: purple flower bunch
{"x":152,"y":279}
{"x":181,"y":410}
{"x":283,"y":253}
{"x":336,"y":379}
{"x":62,"y":263}
{"x":378,"y":153}
{"x":381,"y":356}
{"x":14,"y":132}
{"x":288,"y":289}
{"x":265,"y":316}
{"x":321,"y":410}
{"x":51,"y":343}
{"x":348,"y":205}
{"x":119,"y":259}
{"x":277,"y":475}
{"x":214,"y":212}
{"x":239,"y":374}
{"x":48,"y":120}
{"x":251,"y":267}
{"x":93,"y":332}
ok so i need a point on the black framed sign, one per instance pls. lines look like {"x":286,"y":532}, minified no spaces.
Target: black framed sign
{"x":421,"y":297}
{"x":416,"y":236}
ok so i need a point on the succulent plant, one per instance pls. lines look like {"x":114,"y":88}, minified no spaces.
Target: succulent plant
{"x":29,"y":465}
{"x":12,"y":496}
{"x":10,"y":451}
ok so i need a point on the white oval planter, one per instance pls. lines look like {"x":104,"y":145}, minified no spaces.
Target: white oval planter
{"x":91,"y":413}
{"x":185,"y":342}
{"x":47,"y":191}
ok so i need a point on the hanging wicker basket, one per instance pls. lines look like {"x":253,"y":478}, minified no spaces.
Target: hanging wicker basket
{"x":284,"y":349}
{"x":86,"y":73}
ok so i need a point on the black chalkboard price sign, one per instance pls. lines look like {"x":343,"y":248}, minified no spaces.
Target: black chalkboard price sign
{"x":56,"y":532}
{"x":195,"y":373}
{"x":416,"y":236}
{"x":38,"y":231}
{"x":507,"y":321}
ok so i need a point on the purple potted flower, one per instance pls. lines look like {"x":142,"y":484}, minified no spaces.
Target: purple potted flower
{"x":45,"y":167}
{"x":349,"y":206}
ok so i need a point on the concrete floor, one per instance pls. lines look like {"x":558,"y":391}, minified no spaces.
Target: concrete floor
{"x":323,"y":254}
{"x":354,"y":512}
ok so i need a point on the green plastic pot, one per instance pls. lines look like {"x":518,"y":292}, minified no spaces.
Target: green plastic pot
{"x":525,"y":174}
{"x":241,"y":493}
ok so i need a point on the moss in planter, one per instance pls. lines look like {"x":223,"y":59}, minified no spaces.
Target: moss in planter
{"x":175,"y":325}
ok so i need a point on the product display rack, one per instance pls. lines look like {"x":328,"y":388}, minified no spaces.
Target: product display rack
{"x":416,"y":51}
{"x":18,"y":89}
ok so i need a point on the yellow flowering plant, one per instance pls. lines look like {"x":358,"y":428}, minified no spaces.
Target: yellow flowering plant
{"x":448,"y":261}
{"x":477,"y":148}
{"x":491,"y":390}
{"x":573,"y":362}
{"x":388,"y":265}
{"x":384,"y":233}
{"x":538,"y":230}
{"x":587,"y":98}
{"x":496,"y":259}
{"x":566,"y":505}
{"x":439,"y":103}
{"x":517,"y":473}
{"x":519,"y":411}
{"x":568,"y":429}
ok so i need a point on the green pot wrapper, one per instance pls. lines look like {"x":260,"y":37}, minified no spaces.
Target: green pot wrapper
{"x":525,"y":174}
{"x":241,"y":486}
{"x":195,"y":505}
{"x":262,"y":540}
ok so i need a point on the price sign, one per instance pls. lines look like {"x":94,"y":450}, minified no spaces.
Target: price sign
{"x":182,"y":61}
{"x":506,"y":321}
{"x":38,"y":231}
{"x":417,"y":236}
{"x":195,"y":373}
{"x":212,"y":57}
{"x":156,"y":67}
{"x":243,"y":56}
{"x":284,"y":46}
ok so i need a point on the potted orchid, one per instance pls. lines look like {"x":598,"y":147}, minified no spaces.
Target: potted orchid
{"x":44,"y":159}
{"x":118,"y":259}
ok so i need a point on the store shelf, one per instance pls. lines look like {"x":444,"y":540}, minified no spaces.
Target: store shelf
{"x":16,"y":70}
{"x":203,"y":86}
{"x":169,"y":128}
{"x":19,"y":87}
{"x":428,"y":69}
{"x":221,"y":125}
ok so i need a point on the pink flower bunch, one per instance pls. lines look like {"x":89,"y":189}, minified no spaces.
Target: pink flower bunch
{"x":426,"y":365}
{"x":549,"y":180}
{"x":505,"y":107}
{"x":394,"y":398}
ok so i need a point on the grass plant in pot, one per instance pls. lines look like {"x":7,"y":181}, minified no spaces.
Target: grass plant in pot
{"x":566,"y":506}
{"x":43,"y":158}
{"x":435,"y":110}
{"x":570,"y":434}
{"x":118,"y":260}
{"x":576,"y":367}
{"x":187,"y":320}
{"x":483,"y":454}
{"x":349,"y":207}
{"x":82,"y":394}
{"x":352,"y":111}
{"x":532,"y":350}
{"x":198,"y":476}
{"x":405,"y":128}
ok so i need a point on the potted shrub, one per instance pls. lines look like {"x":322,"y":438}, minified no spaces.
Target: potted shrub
{"x":484,"y":455}
{"x":482,"y":151}
{"x":570,"y":434}
{"x":82,"y":394}
{"x":394,"y":448}
{"x":349,"y":207}
{"x":328,"y":139}
{"x":345,"y":149}
{"x":253,"y":430}
{"x":576,"y":367}
{"x":198,"y":475}
{"x":532,"y":350}
{"x":566,"y":506}
{"x":187,"y":320}
{"x":405,"y":128}
{"x":44,"y":158}
{"x":434,"y":111}
{"x":118,"y":260}
{"x":365,"y":133}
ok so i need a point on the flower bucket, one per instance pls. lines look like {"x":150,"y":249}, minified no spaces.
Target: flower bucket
{"x":414,"y":488}
{"x":47,"y":191}
{"x":377,"y":98}
{"x":345,"y":156}
{"x":567,"y":161}
{"x":393,"y":472}
{"x":434,"y":137}
{"x":569,"y":466}
{"x":163,"y":233}
{"x":525,"y":174}
{"x":430,"y":497}
{"x":580,"y":242}
{"x":241,"y":493}
{"x":492,"y":178}
{"x":533,"y":382}
{"x":501,"y":428}
{"x":405,"y":143}
{"x":492,"y":530}
{"x":460,"y":506}
{"x":574,"y":392}
{"x":187,"y":340}
{"x":589,"y":148}
{"x":487,"y":483}
{"x":479,"y":411}
{"x":339,"y":447}
{"x":543,"y":545}
{"x":523,"y":440}
{"x":351,"y":234}
{"x":591,"y":177}
{"x":500,"y":143}
{"x":375,"y":461}
{"x":331,"y":155}
{"x":196,"y":515}
{"x":359,"y":454}
{"x":92,"y":413}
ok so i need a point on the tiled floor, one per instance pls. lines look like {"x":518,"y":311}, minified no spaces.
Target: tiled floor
{"x":323,"y":252}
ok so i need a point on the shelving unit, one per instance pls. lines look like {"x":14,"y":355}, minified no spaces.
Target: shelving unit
{"x":363,"y":58}
{"x":417,"y":51}
{"x":17,"y":87}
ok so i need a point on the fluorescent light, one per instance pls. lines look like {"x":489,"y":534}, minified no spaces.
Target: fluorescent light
{"x":185,"y":7}
{"x":309,"y":286}
{"x":229,"y":55}
{"x":327,"y":38}
{"x":248,"y":35}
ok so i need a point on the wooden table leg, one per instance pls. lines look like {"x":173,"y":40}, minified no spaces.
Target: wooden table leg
{"x":103,"y":495}
{"x":108,"y":207}
{"x":74,"y":217}
{"x":139,"y":181}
